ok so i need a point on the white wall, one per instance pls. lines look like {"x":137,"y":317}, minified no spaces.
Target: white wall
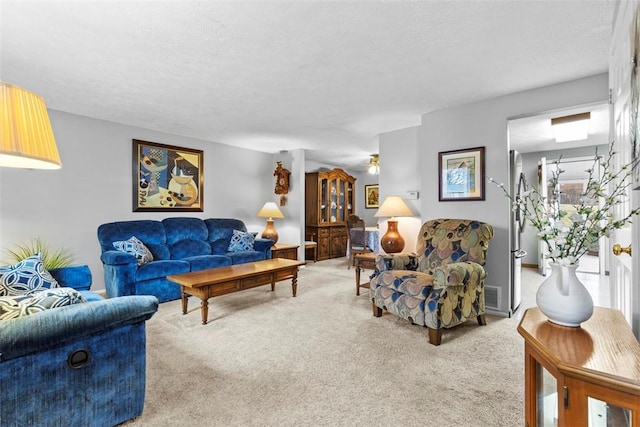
{"x":65,"y":207}
{"x":482,"y":123}
{"x":400,"y":171}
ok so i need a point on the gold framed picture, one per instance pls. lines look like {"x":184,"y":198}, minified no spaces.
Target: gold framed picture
{"x":167,"y":178}
{"x":371,"y":196}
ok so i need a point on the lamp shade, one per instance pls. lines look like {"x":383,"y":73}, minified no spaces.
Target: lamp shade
{"x":26,"y":137}
{"x":270,"y":210}
{"x":393,"y":206}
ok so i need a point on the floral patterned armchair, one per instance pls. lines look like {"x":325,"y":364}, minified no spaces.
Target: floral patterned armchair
{"x":443,"y":285}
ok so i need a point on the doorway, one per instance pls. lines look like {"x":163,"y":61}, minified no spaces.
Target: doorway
{"x":571,"y":185}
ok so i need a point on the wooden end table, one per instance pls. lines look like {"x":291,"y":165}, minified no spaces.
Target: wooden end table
{"x":285,"y":251}
{"x":211,"y":283}
{"x":366,"y":260}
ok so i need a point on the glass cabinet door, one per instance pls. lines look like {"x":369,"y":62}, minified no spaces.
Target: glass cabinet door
{"x":604,"y":414}
{"x":341,"y":207}
{"x":334,"y":200}
{"x":349,"y":200}
{"x":324,"y":200}
{"x":546,"y":398}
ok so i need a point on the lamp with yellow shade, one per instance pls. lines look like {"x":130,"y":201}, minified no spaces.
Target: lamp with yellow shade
{"x":26,"y":137}
{"x":393,"y":206}
{"x":270,"y":210}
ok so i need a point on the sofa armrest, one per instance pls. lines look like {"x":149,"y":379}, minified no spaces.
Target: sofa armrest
{"x":465,"y":273}
{"x":264,"y":246}
{"x":53,"y":327}
{"x":77,"y":277}
{"x":117,"y":258}
{"x":386,"y":262}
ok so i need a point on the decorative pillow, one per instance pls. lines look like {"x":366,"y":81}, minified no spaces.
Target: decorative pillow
{"x":136,"y":248}
{"x":12,"y":307}
{"x":241,"y":241}
{"x":26,"y":277}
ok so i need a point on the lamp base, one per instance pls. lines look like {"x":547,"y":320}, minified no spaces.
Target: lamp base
{"x":271,"y":233}
{"x":392,"y":242}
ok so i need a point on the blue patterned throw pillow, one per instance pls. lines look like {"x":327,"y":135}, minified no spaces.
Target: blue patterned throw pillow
{"x":12,"y":307}
{"x":136,"y":248}
{"x":26,"y":277}
{"x":241,"y":241}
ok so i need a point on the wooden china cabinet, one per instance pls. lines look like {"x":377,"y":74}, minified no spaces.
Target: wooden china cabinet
{"x":330,"y":199}
{"x":586,"y":376}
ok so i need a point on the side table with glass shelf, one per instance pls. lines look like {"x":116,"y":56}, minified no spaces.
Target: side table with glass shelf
{"x":586,"y":376}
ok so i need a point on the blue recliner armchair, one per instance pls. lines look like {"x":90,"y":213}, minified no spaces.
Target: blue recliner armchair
{"x":79,"y":365}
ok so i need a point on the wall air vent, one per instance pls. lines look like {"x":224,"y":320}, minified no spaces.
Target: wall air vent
{"x":492,"y":297}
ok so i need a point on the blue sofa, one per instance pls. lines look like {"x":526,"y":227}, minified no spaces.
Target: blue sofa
{"x":78,"y":365}
{"x":178,"y":245}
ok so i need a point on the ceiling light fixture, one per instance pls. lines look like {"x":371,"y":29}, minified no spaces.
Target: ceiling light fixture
{"x":26,"y":137}
{"x":374,"y":164}
{"x":571,"y":128}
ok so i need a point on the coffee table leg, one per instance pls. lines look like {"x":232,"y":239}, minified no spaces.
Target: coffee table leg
{"x":273,"y":284}
{"x":204,"y":308}
{"x":357,"y":278}
{"x":185,"y":301}
{"x":294,"y":283}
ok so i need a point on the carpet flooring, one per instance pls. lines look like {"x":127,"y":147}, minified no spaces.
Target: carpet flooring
{"x":322,"y":359}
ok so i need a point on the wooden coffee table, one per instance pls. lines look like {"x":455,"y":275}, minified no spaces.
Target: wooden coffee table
{"x":211,"y":283}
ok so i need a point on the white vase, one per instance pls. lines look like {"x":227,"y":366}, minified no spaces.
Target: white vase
{"x":563,"y":298}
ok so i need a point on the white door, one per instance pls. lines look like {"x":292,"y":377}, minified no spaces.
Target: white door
{"x":543,"y":266}
{"x":625,"y":292}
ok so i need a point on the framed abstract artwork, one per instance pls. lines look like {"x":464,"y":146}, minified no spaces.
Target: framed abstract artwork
{"x":167,"y":178}
{"x":371,"y":196}
{"x":461,"y":175}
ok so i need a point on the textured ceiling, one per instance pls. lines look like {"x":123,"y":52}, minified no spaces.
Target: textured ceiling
{"x":326,"y":76}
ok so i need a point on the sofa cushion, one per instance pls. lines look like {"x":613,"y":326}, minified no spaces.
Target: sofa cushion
{"x":136,"y":248}
{"x":26,"y":277}
{"x":241,"y":241}
{"x":186,"y":237}
{"x":205,"y":262}
{"x":414,"y":283}
{"x":246,"y":256}
{"x":220,"y":232}
{"x":15,"y":306}
{"x":161,"y":269}
{"x":150,"y":232}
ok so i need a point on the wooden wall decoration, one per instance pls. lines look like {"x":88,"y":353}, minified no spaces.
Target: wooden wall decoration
{"x":282,"y":182}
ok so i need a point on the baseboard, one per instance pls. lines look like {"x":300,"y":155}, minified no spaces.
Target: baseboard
{"x":534,"y":266}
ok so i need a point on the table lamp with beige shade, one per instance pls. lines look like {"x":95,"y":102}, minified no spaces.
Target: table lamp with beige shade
{"x":270,"y":210}
{"x":26,"y":137}
{"x":393,"y":206}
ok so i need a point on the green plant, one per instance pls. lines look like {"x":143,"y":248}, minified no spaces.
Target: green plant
{"x":52,"y":258}
{"x":591,"y":218}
